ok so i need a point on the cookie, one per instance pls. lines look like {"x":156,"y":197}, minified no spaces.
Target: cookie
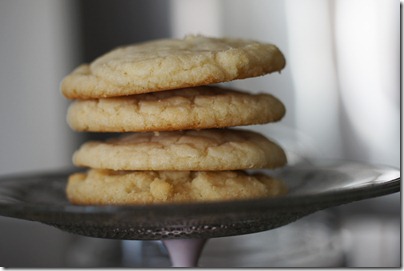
{"x":195,"y":150}
{"x":182,"y":109}
{"x":101,"y":187}
{"x":171,"y":64}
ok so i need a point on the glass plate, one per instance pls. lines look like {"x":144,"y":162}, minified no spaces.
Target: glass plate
{"x":312,"y":187}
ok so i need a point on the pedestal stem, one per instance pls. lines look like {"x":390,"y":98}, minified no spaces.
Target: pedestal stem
{"x":184,"y":252}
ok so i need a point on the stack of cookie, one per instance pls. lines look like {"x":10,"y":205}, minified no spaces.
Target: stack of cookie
{"x":176,"y":144}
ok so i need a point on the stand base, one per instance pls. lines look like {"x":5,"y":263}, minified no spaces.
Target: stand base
{"x":184,"y":252}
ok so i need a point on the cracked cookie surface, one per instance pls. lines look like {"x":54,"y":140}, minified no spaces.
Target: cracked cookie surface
{"x":196,"y":150}
{"x":181,"y":109}
{"x":171,"y":64}
{"x":102,"y":187}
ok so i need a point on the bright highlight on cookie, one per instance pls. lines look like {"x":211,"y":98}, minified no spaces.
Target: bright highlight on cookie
{"x":177,"y":144}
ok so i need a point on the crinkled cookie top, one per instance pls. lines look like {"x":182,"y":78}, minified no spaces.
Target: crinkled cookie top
{"x":170,"y":64}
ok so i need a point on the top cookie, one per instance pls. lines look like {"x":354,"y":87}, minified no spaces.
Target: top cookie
{"x":170,"y":64}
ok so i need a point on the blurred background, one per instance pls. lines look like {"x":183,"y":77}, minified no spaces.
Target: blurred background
{"x":341,"y":88}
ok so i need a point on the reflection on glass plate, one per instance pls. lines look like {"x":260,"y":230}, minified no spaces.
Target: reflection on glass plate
{"x":313,"y":187}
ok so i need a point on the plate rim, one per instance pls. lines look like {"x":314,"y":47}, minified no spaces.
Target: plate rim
{"x":285,"y":201}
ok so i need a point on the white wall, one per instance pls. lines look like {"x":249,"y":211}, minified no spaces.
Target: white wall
{"x":35,"y":53}
{"x":36,"y":50}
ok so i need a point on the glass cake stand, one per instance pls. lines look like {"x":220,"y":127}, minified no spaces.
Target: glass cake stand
{"x":184,"y":228}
